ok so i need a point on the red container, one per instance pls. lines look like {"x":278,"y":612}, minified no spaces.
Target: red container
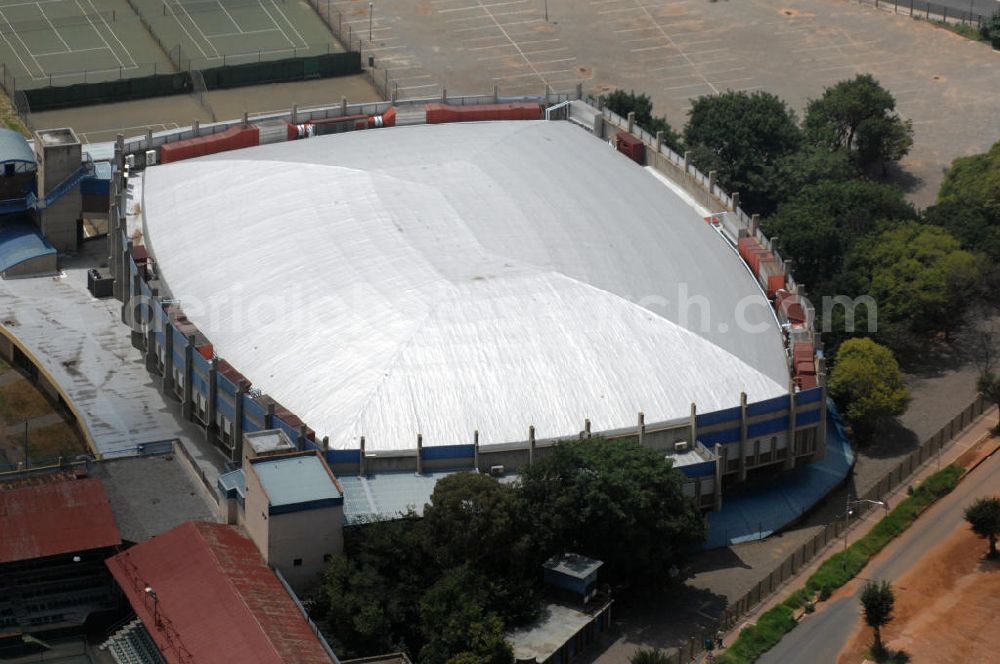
{"x":788,"y":305}
{"x":234,"y":138}
{"x":808,"y":382}
{"x":206,"y":351}
{"x":341,"y":124}
{"x":803,"y":352}
{"x":631,"y":146}
{"x":441,"y":113}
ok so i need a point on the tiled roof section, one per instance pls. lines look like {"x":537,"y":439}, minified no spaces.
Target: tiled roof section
{"x":216,"y":599}
{"x":49,"y":518}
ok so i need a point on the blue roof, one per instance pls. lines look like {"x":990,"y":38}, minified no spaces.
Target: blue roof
{"x":21,"y":241}
{"x":296,"y":481}
{"x":14,"y":147}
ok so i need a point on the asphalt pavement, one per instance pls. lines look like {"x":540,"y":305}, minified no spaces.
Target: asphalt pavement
{"x":820,"y":637}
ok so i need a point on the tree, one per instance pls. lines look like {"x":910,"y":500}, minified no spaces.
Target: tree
{"x":742,"y":136}
{"x":823,"y":222}
{"x":623,"y":103}
{"x":649,"y":656}
{"x":859,"y":116}
{"x":867,"y":385}
{"x":984,"y":517}
{"x":988,"y":385}
{"x":614,"y":501}
{"x":808,"y":166}
{"x":475,"y":520}
{"x":454,"y":621}
{"x":877,"y":600}
{"x":919,"y":276}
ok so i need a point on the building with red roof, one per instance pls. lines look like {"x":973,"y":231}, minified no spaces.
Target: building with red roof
{"x":204,"y":594}
{"x":55,"y":532}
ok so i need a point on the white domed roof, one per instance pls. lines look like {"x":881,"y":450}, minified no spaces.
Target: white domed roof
{"x":442,"y":279}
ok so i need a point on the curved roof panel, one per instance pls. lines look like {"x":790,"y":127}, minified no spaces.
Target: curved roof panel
{"x":14,"y":147}
{"x":443,"y":279}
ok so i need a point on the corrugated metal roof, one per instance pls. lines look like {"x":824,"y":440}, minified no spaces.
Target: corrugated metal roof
{"x":217,"y":600}
{"x":53,"y":518}
{"x":294,"y":480}
{"x":14,"y":147}
{"x":20,"y":242}
{"x":451,"y":278}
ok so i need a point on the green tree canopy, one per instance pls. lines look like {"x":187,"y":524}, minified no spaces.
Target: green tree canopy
{"x":615,"y":501}
{"x":877,"y":600}
{"x":742,"y":136}
{"x":859,"y":116}
{"x":920,"y":276}
{"x":455,"y":622}
{"x":475,"y":520}
{"x":819,"y":225}
{"x":867,"y":385}
{"x":623,"y":103}
{"x":975,"y":180}
{"x":984,"y":517}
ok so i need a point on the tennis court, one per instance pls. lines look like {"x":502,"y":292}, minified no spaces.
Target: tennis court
{"x":209,"y":33}
{"x":52,"y":42}
{"x":62,"y":42}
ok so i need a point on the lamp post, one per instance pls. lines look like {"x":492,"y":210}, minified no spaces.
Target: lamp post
{"x":156,"y":601}
{"x":546,"y":11}
{"x":847,"y":514}
{"x":371,"y":10}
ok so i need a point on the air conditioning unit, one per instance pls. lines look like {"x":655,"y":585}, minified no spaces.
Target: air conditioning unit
{"x":496,"y":471}
{"x":151,"y":157}
{"x":681,"y":446}
{"x":130,"y":160}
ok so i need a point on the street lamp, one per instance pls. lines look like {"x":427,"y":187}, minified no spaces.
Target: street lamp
{"x":371,"y":10}
{"x":546,"y":11}
{"x":847,"y":514}
{"x":156,"y":601}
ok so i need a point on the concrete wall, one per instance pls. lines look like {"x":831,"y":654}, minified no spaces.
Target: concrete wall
{"x":310,"y":536}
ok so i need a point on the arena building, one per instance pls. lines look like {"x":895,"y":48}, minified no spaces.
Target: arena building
{"x":454,"y":295}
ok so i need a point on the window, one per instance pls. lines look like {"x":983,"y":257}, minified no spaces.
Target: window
{"x":297,"y":562}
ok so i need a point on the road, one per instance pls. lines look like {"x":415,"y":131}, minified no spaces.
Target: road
{"x":821,"y":637}
{"x":984,"y":8}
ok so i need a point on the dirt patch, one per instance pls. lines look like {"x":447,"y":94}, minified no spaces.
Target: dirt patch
{"x":946,"y":607}
{"x":585,"y":73}
{"x":786,"y":11}
{"x":21,"y":401}
{"x":672,"y":10}
{"x":546,"y":28}
{"x":424,"y":9}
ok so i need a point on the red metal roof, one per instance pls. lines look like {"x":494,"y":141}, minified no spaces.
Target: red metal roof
{"x":54,"y":517}
{"x":216,"y":599}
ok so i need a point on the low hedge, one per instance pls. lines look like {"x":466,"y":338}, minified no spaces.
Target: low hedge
{"x":838,"y":569}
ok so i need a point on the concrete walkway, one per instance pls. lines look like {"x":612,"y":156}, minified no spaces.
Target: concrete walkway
{"x":82,"y":345}
{"x":969,"y":446}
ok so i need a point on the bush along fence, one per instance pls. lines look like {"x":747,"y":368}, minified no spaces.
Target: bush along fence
{"x":840,"y":568}
{"x":779,"y":620}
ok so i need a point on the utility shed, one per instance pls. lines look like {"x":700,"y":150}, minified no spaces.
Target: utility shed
{"x":572,"y":572}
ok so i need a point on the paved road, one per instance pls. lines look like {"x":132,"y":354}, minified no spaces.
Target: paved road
{"x":821,"y":637}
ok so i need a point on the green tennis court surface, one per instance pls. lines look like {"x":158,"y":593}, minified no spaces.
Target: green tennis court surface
{"x":62,"y":42}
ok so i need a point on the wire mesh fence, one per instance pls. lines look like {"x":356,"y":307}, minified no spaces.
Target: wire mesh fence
{"x":930,"y":11}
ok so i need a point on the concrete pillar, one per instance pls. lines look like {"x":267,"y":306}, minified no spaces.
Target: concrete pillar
{"x":196,"y":127}
{"x":187,"y":407}
{"x":475,"y":449}
{"x":548,"y":94}
{"x":138,"y":341}
{"x":212,"y":411}
{"x":743,"y":436}
{"x":586,"y":427}
{"x":420,"y":454}
{"x":241,"y":390}
{"x":151,"y":358}
{"x":631,"y":121}
{"x":754,"y":224}
{"x":531,"y":445}
{"x":246,"y":118}
{"x":149,"y":140}
{"x":711,"y":182}
{"x":167,"y":379}
{"x":326,"y":443}
{"x":496,"y":92}
{"x":693,"y":423}
{"x":579,"y":90}
{"x":787,"y":267}
{"x":599,"y":126}
{"x":444,"y":95}
{"x":736,"y":200}
{"x":395,"y":91}
{"x":361,"y":458}
{"x":790,"y":450}
{"x":718,"y":477}
{"x":659,"y":141}
{"x":687,"y":161}
{"x":641,"y":428}
{"x":295,"y":113}
{"x":300,"y":442}
{"x":269,"y":416}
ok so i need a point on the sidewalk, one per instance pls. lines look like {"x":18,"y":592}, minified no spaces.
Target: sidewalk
{"x":967,"y":446}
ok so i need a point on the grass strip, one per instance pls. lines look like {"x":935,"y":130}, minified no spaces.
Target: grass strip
{"x":838,"y":569}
